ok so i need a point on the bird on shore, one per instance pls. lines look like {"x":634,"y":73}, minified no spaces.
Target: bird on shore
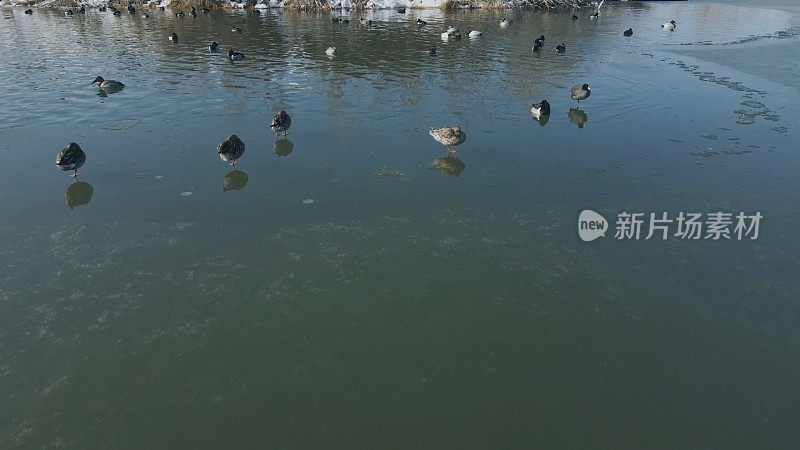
{"x":669,"y":25}
{"x":173,"y":37}
{"x":628,"y":32}
{"x":505,"y":22}
{"x":448,"y":136}
{"x":421,"y":22}
{"x":108,"y":86}
{"x":71,"y":158}
{"x":561,"y":48}
{"x":214,"y":47}
{"x":331,"y":51}
{"x":580,"y":92}
{"x":235,"y":56}
{"x":281,"y":123}
{"x":231,"y":149}
{"x":540,"y":109}
{"x":574,"y":17}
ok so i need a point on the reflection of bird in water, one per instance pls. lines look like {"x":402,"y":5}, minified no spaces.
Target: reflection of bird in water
{"x":283,"y":147}
{"x":78,"y":193}
{"x":540,"y":109}
{"x":448,"y":136}
{"x":71,"y":158}
{"x":580,"y":92}
{"x":448,"y":165}
{"x":108,"y":86}
{"x":281,"y":123}
{"x":234,"y":180}
{"x":578,"y":117}
{"x":628,"y":32}
{"x":231,"y":149}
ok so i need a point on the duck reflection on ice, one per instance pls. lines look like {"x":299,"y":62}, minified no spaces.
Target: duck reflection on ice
{"x":578,"y":117}
{"x":283,"y":147}
{"x":448,"y":165}
{"x":78,"y":193}
{"x":235,"y":179}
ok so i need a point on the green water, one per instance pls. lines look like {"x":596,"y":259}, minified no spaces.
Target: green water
{"x":404,"y":307}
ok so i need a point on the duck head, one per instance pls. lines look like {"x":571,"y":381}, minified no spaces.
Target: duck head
{"x":97,"y":80}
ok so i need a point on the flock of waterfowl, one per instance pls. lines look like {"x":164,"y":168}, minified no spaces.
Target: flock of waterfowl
{"x":72,"y":157}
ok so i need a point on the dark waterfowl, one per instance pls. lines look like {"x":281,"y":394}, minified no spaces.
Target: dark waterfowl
{"x":29,"y":11}
{"x":108,"y":86}
{"x":432,"y":50}
{"x":206,"y":11}
{"x":193,"y":12}
{"x":235,"y":56}
{"x":173,"y":37}
{"x":231,"y":149}
{"x":421,"y":22}
{"x":146,"y":16}
{"x":214,"y":47}
{"x":117,"y":13}
{"x":102,"y":9}
{"x":574,"y":17}
{"x":448,"y":136}
{"x":561,"y":48}
{"x":82,"y":10}
{"x":161,"y":8}
{"x":540,"y":109}
{"x":281,"y":123}
{"x":628,"y":32}
{"x":580,"y":92}
{"x":401,"y":10}
{"x":71,"y":158}
{"x":131,"y":9}
{"x":180,"y":14}
{"x":69,"y":13}
{"x":537,"y":46}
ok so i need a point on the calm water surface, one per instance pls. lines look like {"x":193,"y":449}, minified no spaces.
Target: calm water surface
{"x":418,"y":301}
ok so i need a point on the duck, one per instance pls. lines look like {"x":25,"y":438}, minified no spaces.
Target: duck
{"x":540,"y":39}
{"x":256,"y":12}
{"x":235,"y":56}
{"x":102,"y":9}
{"x":537,"y":46}
{"x":421,"y":22}
{"x":628,"y":32}
{"x":401,"y":10}
{"x":448,"y":136}
{"x":281,"y":123}
{"x":108,"y":86}
{"x":173,"y":37}
{"x":474,"y":33}
{"x":364,"y":21}
{"x":146,"y":16}
{"x":180,"y":14}
{"x":236,"y":30}
{"x":161,"y":8}
{"x":116,"y":13}
{"x":505,"y":22}
{"x":82,"y":10}
{"x":540,"y":109}
{"x":331,"y":51}
{"x":69,"y":12}
{"x":594,"y":16}
{"x":432,"y":51}
{"x":193,"y":12}
{"x":669,"y":25}
{"x":580,"y":92}
{"x":131,"y":9}
{"x":214,"y":47}
{"x":561,"y":48}
{"x":28,"y":11}
{"x":574,"y":17}
{"x":206,"y":11}
{"x":231,"y":149}
{"x":72,"y":158}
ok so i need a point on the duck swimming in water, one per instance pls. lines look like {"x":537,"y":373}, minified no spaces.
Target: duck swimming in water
{"x":561,"y":48}
{"x":281,"y":123}
{"x":574,"y":17}
{"x":28,"y":11}
{"x":594,"y":16}
{"x":580,"y":92}
{"x":108,"y":86}
{"x":331,"y":51}
{"x":540,"y":109}
{"x":505,"y":22}
{"x":236,"y":30}
{"x":71,"y":158}
{"x":669,"y":25}
{"x":628,"y":32}
{"x":173,"y":37}
{"x":180,"y":14}
{"x":474,"y":33}
{"x":69,"y":12}
{"x":231,"y":149}
{"x":214,"y":47}
{"x":235,"y":56}
{"x":421,"y":22}
{"x":448,"y":136}
{"x":432,"y":51}
{"x":193,"y":13}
